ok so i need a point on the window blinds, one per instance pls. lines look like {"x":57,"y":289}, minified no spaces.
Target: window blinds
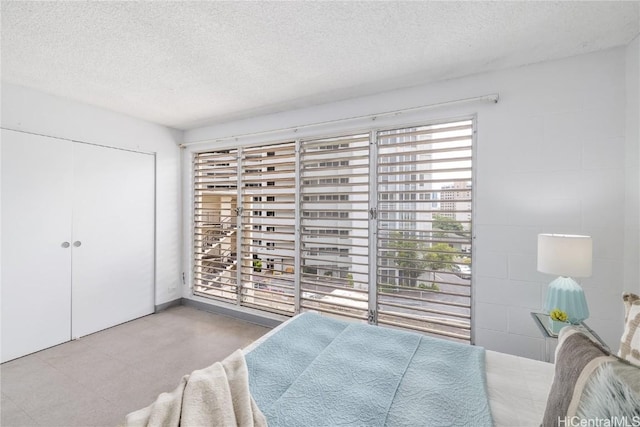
{"x":424,"y":228}
{"x":335,"y":225}
{"x":372,"y":226}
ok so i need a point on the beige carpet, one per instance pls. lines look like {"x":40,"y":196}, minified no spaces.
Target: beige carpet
{"x":98,"y":379}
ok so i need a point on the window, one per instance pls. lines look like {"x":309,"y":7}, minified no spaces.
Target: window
{"x":384,"y":215}
{"x":335,"y":225}
{"x":215,"y":224}
{"x":268,"y":281}
{"x":327,"y":197}
{"x":422,"y":245}
{"x":220,"y":271}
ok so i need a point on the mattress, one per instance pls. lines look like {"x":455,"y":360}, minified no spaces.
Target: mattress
{"x":517,"y":387}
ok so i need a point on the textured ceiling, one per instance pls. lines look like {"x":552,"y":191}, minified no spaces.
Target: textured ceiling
{"x":184,"y":64}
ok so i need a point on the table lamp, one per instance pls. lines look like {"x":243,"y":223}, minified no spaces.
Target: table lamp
{"x":566,"y":256}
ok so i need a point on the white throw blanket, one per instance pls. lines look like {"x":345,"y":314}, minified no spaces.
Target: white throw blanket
{"x":215,"y":396}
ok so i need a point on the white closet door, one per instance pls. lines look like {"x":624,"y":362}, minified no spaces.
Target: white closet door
{"x":36,"y":221}
{"x":113,"y":237}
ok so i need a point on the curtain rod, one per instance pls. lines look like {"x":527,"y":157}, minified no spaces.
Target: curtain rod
{"x":494,"y":97}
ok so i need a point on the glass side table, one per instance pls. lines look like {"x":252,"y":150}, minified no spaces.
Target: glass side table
{"x":542,"y":321}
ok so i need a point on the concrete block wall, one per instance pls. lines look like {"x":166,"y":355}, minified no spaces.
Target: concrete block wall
{"x":551,"y":161}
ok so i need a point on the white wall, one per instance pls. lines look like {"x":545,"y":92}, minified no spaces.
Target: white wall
{"x":562,"y":141}
{"x":550,"y":158}
{"x":33,"y":111}
{"x":632,"y":170}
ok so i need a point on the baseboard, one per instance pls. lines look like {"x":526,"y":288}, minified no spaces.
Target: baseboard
{"x":247,"y":315}
{"x":166,"y":305}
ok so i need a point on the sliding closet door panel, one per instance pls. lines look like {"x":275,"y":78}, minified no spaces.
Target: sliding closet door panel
{"x":36,"y":222}
{"x":113,"y":237}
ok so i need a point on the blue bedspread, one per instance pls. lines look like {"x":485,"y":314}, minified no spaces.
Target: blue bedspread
{"x":319,"y":371}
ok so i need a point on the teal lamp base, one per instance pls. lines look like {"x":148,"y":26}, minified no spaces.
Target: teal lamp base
{"x":565,"y":294}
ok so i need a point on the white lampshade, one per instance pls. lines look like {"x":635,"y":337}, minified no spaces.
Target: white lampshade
{"x":565,"y":255}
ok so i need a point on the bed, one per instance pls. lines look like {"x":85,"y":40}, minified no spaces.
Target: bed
{"x":315,"y":370}
{"x":296,"y":358}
